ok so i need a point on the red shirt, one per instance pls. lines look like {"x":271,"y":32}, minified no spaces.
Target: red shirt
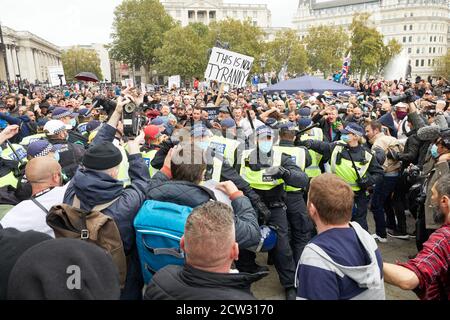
{"x":432,"y":266}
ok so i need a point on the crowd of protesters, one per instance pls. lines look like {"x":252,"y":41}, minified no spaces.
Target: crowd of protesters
{"x":307,"y":166}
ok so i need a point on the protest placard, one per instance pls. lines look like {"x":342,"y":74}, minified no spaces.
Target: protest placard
{"x":53,"y":73}
{"x":228,"y":67}
{"x":213,"y":112}
{"x":174,"y":81}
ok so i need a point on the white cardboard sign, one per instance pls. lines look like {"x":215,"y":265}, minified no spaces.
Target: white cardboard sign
{"x":228,"y":67}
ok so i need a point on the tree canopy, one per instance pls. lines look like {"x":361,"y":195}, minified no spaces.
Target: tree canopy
{"x":76,"y":60}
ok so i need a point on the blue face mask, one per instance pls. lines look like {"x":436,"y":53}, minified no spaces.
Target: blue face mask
{"x":434,"y":151}
{"x":203,"y":145}
{"x":73,"y":123}
{"x":56,"y":156}
{"x":345,"y":138}
{"x":265,"y":146}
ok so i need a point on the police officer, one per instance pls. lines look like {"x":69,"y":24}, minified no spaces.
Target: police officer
{"x":315,"y":134}
{"x":299,"y":222}
{"x":70,"y":154}
{"x":9,"y":172}
{"x":267,"y":170}
{"x":345,"y":157}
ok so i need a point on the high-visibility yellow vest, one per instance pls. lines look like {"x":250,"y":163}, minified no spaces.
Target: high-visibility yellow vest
{"x":8,"y":154}
{"x":313,"y":170}
{"x":260,"y":180}
{"x":148,"y":156}
{"x":225,"y":147}
{"x":9,"y":180}
{"x":123,"y":167}
{"x":345,"y":169}
{"x":30,"y":139}
{"x":298,"y":156}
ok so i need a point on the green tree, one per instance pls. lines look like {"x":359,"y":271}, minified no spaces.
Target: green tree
{"x":366,"y":46}
{"x":442,"y":66}
{"x":286,"y":47}
{"x":76,"y":60}
{"x":326,"y":47}
{"x":138,"y":30}
{"x":242,"y":36}
{"x":184,"y":51}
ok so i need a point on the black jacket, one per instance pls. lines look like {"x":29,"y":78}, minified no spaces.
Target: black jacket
{"x":192,"y":195}
{"x":70,"y":156}
{"x":188,"y":283}
{"x":412,"y":149}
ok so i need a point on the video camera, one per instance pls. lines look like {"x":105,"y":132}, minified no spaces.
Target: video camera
{"x":132,"y":119}
{"x":408,"y":96}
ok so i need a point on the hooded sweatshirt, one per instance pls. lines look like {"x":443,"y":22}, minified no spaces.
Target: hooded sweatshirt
{"x":341,"y":264}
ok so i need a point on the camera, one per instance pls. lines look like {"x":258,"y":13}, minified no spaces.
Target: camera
{"x":412,"y":174}
{"x":132,"y":120}
{"x":408,"y":97}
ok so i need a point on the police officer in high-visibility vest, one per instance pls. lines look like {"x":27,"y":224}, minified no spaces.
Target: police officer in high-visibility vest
{"x":268,"y":171}
{"x":299,"y":223}
{"x":345,"y":157}
{"x":224,"y":141}
{"x":9,"y":166}
{"x":316,"y":134}
{"x":151,"y":147}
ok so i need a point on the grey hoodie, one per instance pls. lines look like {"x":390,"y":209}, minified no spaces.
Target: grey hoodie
{"x":366,"y":276}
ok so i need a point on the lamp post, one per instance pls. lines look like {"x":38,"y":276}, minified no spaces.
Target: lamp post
{"x":3,"y":50}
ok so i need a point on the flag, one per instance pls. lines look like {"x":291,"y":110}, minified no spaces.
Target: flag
{"x":346,"y":68}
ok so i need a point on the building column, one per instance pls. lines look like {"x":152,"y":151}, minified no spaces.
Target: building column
{"x":35,"y":64}
{"x":10,"y":63}
{"x":12,"y":52}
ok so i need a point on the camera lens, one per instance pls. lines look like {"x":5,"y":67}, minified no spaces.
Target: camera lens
{"x":130,"y":107}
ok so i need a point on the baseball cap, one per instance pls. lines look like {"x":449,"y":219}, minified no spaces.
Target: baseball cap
{"x":151,"y":132}
{"x":228,"y":123}
{"x":224,"y":110}
{"x":354,"y":128}
{"x":54,"y":127}
{"x":60,"y":113}
{"x":264,"y":131}
{"x":39,"y":148}
{"x":84,"y":112}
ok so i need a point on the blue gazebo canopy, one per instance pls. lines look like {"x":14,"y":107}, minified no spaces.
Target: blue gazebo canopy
{"x":308,"y":84}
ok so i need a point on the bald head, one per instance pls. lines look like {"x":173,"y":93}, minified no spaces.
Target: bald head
{"x":43,"y":172}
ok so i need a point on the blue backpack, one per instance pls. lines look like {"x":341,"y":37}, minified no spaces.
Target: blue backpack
{"x":159,"y":227}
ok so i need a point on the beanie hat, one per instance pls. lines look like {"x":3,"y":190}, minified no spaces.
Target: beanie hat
{"x":102,"y":156}
{"x":43,"y":272}
{"x":13,"y":244}
{"x":92,"y":125}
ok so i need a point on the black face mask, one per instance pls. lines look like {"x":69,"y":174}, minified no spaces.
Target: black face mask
{"x":383,"y":112}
